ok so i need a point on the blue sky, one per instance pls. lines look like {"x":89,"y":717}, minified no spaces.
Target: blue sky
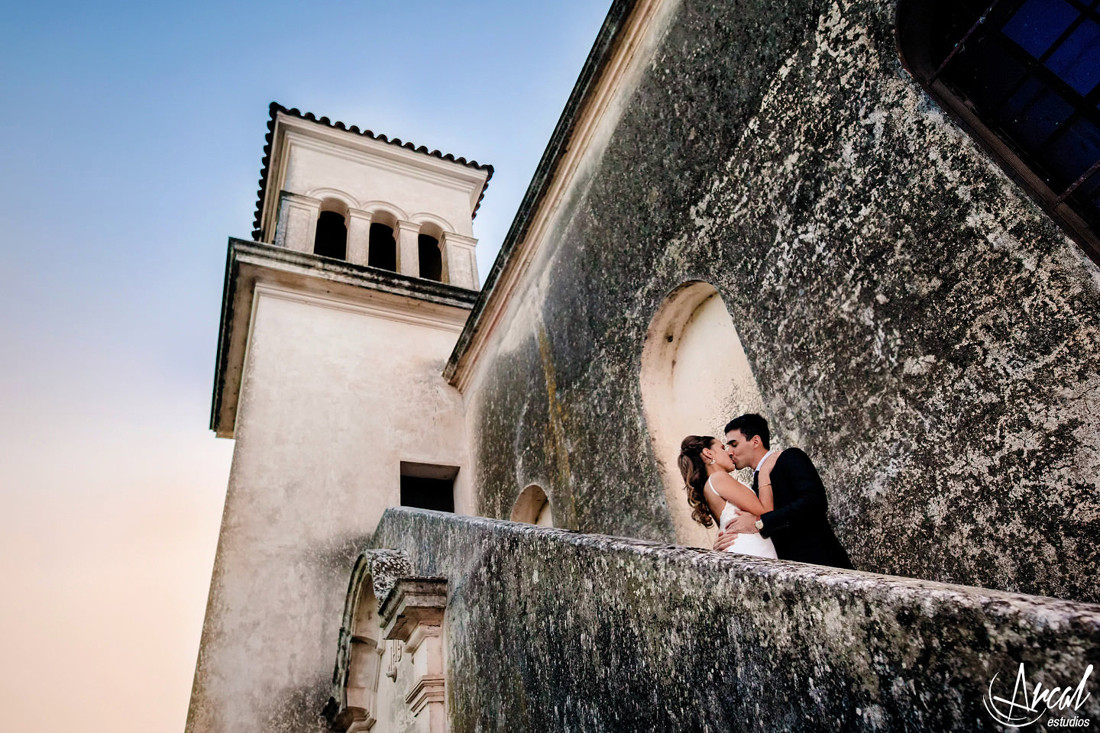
{"x":132,"y":142}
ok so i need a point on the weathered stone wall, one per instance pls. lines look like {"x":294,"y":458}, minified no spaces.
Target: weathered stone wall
{"x":551,"y":630}
{"x":913,"y":320}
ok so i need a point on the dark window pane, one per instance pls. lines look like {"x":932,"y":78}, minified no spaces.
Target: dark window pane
{"x":953,"y":20}
{"x":1038,"y":23}
{"x":985,"y":73}
{"x":1090,"y":190}
{"x":1077,"y":59}
{"x":1073,"y":152}
{"x":1027,"y":78}
{"x":1090,"y":193}
{"x":1086,"y":200}
{"x":1033,"y":112}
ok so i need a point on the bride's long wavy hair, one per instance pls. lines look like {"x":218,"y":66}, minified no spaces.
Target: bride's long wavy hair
{"x":694,"y":471}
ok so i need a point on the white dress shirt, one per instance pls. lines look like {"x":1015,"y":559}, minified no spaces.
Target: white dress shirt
{"x":758,"y":465}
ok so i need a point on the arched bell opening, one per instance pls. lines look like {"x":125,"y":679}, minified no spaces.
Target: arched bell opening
{"x":331,"y":239}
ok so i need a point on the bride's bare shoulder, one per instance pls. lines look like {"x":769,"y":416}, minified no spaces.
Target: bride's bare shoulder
{"x":724,"y":479}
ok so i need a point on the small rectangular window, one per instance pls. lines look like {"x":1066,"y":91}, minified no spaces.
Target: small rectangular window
{"x":428,"y":486}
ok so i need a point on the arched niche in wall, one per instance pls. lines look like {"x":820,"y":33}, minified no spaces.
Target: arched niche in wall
{"x":365,"y":658}
{"x":695,"y":377}
{"x":357,"y":701}
{"x":533,"y":507}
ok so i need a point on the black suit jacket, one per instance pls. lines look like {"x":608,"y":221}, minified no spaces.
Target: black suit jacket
{"x":799,"y":526}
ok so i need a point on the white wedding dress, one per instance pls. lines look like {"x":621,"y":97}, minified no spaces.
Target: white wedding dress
{"x":746,"y":544}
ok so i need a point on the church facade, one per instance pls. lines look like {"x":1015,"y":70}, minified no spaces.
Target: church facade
{"x":799,"y":209}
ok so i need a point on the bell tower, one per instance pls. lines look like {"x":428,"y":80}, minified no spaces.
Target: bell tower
{"x":336,"y":323}
{"x":344,"y":193}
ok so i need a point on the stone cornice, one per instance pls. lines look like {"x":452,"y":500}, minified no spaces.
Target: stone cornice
{"x":453,"y":238}
{"x":428,"y":689}
{"x":271,"y":180}
{"x":288,"y":127}
{"x":300,"y":198}
{"x":252,"y":269}
{"x":407,"y":225}
{"x":412,"y":602}
{"x":371,"y":152}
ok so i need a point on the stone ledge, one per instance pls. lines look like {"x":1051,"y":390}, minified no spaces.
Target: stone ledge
{"x":551,"y":630}
{"x":912,"y":589}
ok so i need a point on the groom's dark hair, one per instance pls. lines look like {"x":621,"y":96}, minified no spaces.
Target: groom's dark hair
{"x":750,"y":426}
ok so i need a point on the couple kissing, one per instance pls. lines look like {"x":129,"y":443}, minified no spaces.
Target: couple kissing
{"x":783,"y":515}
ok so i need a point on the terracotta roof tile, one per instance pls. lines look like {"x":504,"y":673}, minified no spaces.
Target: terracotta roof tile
{"x":275,"y":108}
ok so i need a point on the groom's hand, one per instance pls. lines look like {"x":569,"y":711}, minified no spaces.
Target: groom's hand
{"x":743,"y":523}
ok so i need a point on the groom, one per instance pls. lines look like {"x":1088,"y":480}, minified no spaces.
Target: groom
{"x":798,"y":526}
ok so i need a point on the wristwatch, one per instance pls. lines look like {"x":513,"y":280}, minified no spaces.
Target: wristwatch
{"x":759,"y":524}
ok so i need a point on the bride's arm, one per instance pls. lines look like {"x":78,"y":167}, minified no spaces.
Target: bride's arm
{"x":764,"y":482}
{"x":737,"y":493}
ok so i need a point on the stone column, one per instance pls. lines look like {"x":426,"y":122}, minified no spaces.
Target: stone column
{"x":296,"y":227}
{"x":413,"y":613}
{"x":459,"y":261}
{"x":358,"y":236}
{"x":408,"y":249}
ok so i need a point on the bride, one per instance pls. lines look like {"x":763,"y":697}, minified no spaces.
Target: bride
{"x":714,"y":494}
